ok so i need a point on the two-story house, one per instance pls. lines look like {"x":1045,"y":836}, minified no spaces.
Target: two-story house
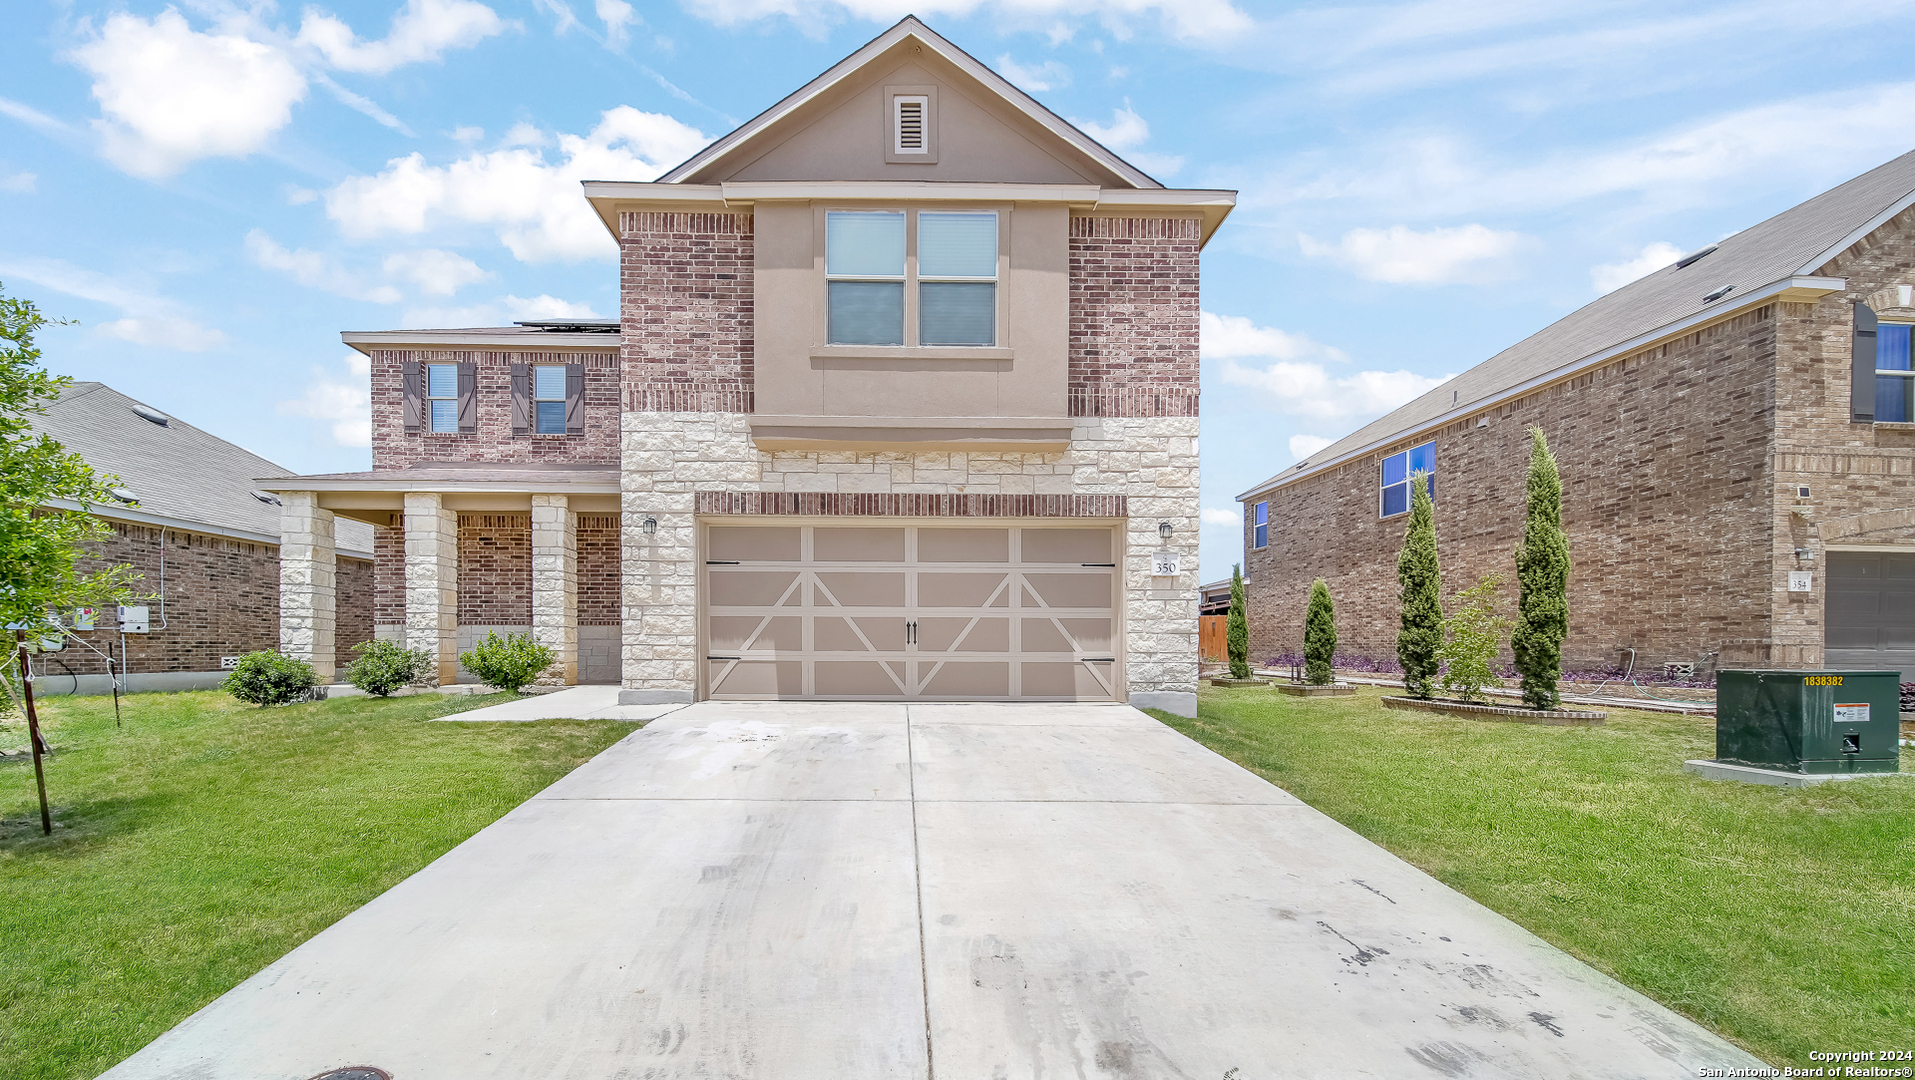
{"x":1736,"y":434}
{"x":901,"y":404}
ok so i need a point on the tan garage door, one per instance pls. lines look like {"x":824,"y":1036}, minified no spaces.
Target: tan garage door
{"x":911,"y":611}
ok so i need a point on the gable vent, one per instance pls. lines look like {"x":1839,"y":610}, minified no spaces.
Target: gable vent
{"x":910,"y":124}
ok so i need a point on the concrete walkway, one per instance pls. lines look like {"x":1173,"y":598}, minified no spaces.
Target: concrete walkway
{"x":571,"y":703}
{"x":876,"y":892}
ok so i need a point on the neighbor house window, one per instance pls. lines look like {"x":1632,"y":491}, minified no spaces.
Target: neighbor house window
{"x":548,"y":399}
{"x":442,"y":397}
{"x":1894,"y":376}
{"x":1397,"y":470}
{"x":1260,"y":525}
{"x":867,"y":278}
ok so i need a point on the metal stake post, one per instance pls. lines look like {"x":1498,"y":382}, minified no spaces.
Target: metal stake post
{"x":33,"y":732}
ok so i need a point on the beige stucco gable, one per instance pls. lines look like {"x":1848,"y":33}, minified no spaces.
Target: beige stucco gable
{"x":844,"y":135}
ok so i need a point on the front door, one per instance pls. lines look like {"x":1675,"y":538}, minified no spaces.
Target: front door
{"x":882,"y":611}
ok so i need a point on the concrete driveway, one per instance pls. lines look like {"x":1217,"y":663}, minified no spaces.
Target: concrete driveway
{"x":853,"y":891}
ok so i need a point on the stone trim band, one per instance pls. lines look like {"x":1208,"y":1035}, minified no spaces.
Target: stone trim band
{"x":907,"y":504}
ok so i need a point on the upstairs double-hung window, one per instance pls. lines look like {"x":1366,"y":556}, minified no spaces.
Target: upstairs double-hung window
{"x":548,"y":399}
{"x":1397,"y":470}
{"x":883,"y":290}
{"x":1894,"y":375}
{"x":442,"y":397}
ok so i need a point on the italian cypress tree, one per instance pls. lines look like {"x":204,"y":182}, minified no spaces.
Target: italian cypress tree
{"x":1236,"y":629}
{"x":1421,"y":634}
{"x":1319,"y":636}
{"x":1542,"y":572}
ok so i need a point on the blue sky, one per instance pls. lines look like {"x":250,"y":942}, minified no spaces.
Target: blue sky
{"x":214,"y":190}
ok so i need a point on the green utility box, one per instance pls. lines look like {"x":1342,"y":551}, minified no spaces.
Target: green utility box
{"x":1811,"y":722}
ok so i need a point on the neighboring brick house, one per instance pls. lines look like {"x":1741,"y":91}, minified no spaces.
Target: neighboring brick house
{"x":901,"y":404}
{"x":192,"y":519}
{"x":1735,"y":439}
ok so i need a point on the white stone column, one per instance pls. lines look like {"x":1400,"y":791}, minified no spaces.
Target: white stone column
{"x":308,"y":582}
{"x":432,"y":582}
{"x":555,"y":586}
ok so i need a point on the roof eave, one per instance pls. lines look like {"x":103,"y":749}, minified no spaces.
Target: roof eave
{"x":1795,"y":288}
{"x":367,"y":340}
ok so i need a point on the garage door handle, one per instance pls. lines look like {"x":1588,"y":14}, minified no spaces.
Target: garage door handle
{"x":724,"y":658}
{"x":1112,"y":565}
{"x":1100,"y":659}
{"x":721,"y":562}
{"x":911,"y":632}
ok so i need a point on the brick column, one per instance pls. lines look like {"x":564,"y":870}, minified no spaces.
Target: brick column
{"x":308,"y":582}
{"x":555,"y":586}
{"x":432,"y":582}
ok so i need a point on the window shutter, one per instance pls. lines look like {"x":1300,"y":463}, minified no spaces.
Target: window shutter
{"x":521,"y":399}
{"x":575,"y":399}
{"x":468,"y":399}
{"x":412,"y":393}
{"x":1862,"y":367}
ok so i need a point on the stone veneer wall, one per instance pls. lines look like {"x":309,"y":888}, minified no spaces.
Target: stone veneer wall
{"x":671,"y":456}
{"x":394,"y":448}
{"x":1667,"y":495}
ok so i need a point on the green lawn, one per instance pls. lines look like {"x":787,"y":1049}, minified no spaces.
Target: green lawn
{"x":1783,"y":918}
{"x":204,"y":839}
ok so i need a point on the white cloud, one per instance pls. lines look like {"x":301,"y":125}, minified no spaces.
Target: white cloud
{"x":20,"y":183}
{"x":532,"y":204}
{"x":1295,"y":384}
{"x":439,"y":273}
{"x":422,"y":30}
{"x":1402,"y":255}
{"x":618,"y":17}
{"x":1302,"y":446}
{"x":1608,"y":277}
{"x":149,"y":319}
{"x":31,"y":116}
{"x":1222,"y":336}
{"x":466,"y":133}
{"x":364,"y":105}
{"x":315,"y":270}
{"x":505,"y":309}
{"x":169,"y":95}
{"x":1220,"y":518}
{"x":562,"y":16}
{"x":346,"y":403}
{"x":1188,"y":19}
{"x":1126,"y":133}
{"x":1034,"y":78}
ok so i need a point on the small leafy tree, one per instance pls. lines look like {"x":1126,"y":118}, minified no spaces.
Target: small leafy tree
{"x":1421,"y":632}
{"x":1471,"y":638}
{"x":383,"y":667}
{"x":1237,"y":629}
{"x":1319,"y":636}
{"x":1542,"y":575}
{"x":510,"y":663}
{"x":41,"y":550}
{"x":269,"y":678}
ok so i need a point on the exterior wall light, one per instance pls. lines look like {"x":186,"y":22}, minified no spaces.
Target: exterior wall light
{"x":651,"y":525}
{"x":1804,"y":554}
{"x":1164,"y":530}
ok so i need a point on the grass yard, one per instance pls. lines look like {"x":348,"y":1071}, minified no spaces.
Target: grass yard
{"x":1783,"y":918}
{"x":206,"y":838}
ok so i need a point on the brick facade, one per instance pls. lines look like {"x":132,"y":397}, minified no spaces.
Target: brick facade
{"x":598,"y":570}
{"x":685,"y":289}
{"x":221,"y":598}
{"x":495,"y":569}
{"x":1679,"y":467}
{"x":1133,"y":319}
{"x":389,"y":575}
{"x":394,"y":448}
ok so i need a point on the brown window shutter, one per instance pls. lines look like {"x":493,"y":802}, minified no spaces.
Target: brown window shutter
{"x":468,"y":399}
{"x":1862,"y":367}
{"x":412,"y":393}
{"x":521,"y":399}
{"x":575,"y":399}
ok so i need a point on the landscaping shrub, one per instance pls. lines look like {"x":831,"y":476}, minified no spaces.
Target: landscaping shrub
{"x":268,"y":678}
{"x":1319,"y":636}
{"x":1421,"y":634}
{"x":1471,"y":638}
{"x":1542,"y":574}
{"x":384,"y":667}
{"x":1236,"y":629}
{"x":510,"y":663}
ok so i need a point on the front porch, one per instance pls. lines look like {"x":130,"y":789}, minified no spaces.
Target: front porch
{"x":461,"y":548}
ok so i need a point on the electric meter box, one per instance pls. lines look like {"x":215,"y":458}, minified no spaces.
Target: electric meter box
{"x":1812,"y":722}
{"x":132,"y":619}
